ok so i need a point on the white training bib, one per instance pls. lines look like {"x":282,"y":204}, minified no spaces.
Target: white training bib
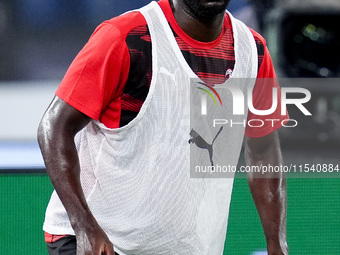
{"x":136,"y":178}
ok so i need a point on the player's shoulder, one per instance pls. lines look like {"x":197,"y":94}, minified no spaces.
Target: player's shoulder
{"x":126,"y":22}
{"x":258,"y":37}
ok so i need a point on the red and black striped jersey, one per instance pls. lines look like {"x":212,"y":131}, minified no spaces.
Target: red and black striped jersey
{"x":110,"y":77}
{"x":212,"y":62}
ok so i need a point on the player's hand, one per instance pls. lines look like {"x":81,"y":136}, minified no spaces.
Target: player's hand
{"x":92,"y":240}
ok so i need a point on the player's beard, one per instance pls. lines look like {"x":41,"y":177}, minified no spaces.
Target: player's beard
{"x":207,"y":11}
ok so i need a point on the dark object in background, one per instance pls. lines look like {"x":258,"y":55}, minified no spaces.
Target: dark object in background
{"x":305,"y":42}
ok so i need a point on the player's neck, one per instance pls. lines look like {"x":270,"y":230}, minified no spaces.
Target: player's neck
{"x":200,"y":30}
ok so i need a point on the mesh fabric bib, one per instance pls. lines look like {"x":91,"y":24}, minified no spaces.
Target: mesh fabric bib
{"x":136,"y":178}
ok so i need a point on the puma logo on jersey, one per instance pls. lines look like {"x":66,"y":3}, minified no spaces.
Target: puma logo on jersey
{"x":201,"y":143}
{"x":229,"y":73}
{"x":167,"y":72}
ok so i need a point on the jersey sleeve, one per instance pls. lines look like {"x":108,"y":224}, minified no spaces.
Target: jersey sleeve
{"x":95,"y":76}
{"x":262,"y":125}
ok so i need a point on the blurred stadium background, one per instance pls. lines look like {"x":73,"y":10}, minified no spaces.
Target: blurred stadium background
{"x":40,"y":38}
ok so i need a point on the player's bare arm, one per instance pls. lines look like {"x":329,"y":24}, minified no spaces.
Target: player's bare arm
{"x":269,"y":191}
{"x":56,"y":132}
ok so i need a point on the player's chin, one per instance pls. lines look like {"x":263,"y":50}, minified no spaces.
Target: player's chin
{"x":206,"y":10}
{"x":215,"y":7}
{"x":216,"y":3}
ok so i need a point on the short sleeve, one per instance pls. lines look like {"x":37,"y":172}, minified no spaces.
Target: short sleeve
{"x":95,"y":76}
{"x":262,"y":125}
